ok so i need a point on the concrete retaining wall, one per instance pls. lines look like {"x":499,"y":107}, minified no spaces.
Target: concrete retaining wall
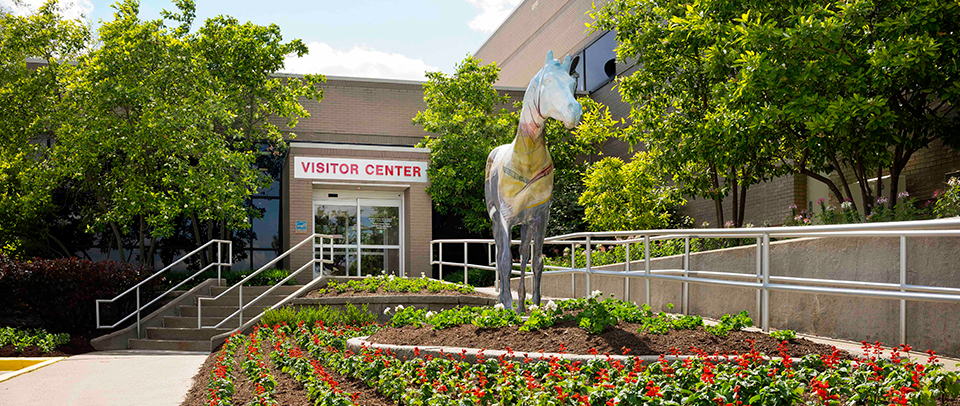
{"x":933,"y":261}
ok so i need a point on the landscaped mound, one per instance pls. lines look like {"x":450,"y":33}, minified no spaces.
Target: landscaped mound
{"x":302,"y":365}
{"x":582,"y":326}
{"x":390,"y":285}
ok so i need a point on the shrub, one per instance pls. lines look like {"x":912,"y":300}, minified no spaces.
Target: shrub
{"x":475,"y":277}
{"x":730,"y":323}
{"x":948,"y":201}
{"x":22,"y":339}
{"x":595,"y":316}
{"x":59,"y":294}
{"x":309,"y":315}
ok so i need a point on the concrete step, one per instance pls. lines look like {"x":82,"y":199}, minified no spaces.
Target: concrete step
{"x":221,"y":311}
{"x":183,"y":334}
{"x":169,"y":345}
{"x":191,"y":322}
{"x":227,"y":300}
{"x":255,"y":290}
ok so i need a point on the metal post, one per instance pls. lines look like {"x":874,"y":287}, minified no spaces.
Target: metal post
{"x":686,"y":274}
{"x":903,"y":282}
{"x":138,"y":312}
{"x":199,"y":310}
{"x":626,"y":277}
{"x":465,"y":263}
{"x":241,"y":307}
{"x":759,"y":276}
{"x":765,"y":270}
{"x":441,"y":260}
{"x":589,"y":248}
{"x":646,"y":268}
{"x":573,"y":264}
{"x":496,"y":273}
{"x":431,"y":259}
{"x":219,"y":261}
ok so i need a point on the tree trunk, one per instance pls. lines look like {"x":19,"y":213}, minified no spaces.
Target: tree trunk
{"x":826,"y":181}
{"x":116,"y":234}
{"x":843,"y":181}
{"x":143,"y":244}
{"x":198,"y":238}
{"x":717,"y":198}
{"x":743,"y":204}
{"x":736,"y":198}
{"x":66,"y":252}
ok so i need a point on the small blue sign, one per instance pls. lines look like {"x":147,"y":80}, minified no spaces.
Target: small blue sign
{"x":301,"y":226}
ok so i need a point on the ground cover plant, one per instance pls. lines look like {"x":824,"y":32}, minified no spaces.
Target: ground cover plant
{"x":391,"y":285}
{"x":20,"y":340}
{"x":327,"y":374}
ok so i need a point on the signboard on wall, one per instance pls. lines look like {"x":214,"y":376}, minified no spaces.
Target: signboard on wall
{"x":359,"y":169}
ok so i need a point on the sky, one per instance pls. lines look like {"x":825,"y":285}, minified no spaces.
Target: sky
{"x":391,"y":39}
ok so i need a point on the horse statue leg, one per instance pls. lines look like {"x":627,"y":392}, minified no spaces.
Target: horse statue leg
{"x":501,"y":236}
{"x":539,"y":226}
{"x":525,"y":234}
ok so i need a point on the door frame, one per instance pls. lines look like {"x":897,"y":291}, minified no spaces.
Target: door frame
{"x":399,"y":202}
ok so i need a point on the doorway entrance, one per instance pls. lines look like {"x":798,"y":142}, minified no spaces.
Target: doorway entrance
{"x":371,"y":230}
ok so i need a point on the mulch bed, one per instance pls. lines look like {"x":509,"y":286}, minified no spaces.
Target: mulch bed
{"x":577,"y":341}
{"x":77,"y":345}
{"x":382,"y":292}
{"x":288,"y":392}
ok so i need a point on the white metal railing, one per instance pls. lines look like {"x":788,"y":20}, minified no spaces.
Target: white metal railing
{"x":239,"y":285}
{"x":762,"y":281}
{"x":136,"y":288}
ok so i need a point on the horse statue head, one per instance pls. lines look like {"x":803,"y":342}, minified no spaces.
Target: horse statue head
{"x":551,"y":93}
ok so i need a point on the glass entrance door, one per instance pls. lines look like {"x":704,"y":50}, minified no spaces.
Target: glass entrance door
{"x":371,"y":234}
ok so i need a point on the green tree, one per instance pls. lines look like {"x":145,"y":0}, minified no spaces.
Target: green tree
{"x":467,"y":118}
{"x":630,"y":196}
{"x":680,"y":97}
{"x":30,"y":107}
{"x":167,"y":124}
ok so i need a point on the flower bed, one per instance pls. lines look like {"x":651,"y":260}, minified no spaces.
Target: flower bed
{"x":391,"y":285}
{"x":33,"y":343}
{"x":329,"y":375}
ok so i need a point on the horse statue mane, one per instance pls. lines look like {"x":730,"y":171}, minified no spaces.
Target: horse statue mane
{"x":518,"y":179}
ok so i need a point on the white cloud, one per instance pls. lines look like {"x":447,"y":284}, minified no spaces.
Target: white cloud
{"x":69,"y":9}
{"x":492,"y":13}
{"x":360,"y":61}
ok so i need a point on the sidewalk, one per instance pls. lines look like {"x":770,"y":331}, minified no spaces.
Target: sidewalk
{"x":124,"y":377}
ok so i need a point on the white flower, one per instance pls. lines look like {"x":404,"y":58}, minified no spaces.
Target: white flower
{"x":529,"y":296}
{"x":846,"y":205}
{"x":399,"y":307}
{"x":499,"y":306}
{"x":368,"y":276}
{"x":423,"y":275}
{"x":430,"y":314}
{"x":551,"y":306}
{"x":387,"y":310}
{"x":594,"y":294}
{"x":534,"y":307}
{"x":953,"y":181}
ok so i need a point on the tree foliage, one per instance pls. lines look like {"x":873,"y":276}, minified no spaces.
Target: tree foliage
{"x":749,"y":90}
{"x":160,"y":127}
{"x":467,"y":117}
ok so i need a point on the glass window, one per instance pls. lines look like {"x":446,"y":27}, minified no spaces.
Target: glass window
{"x":380,"y":225}
{"x":339,"y":220}
{"x":598,"y":56}
{"x":578,"y":71}
{"x":261,"y":257}
{"x":266,"y":230}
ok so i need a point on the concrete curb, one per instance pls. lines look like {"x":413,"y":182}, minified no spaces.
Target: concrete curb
{"x":37,"y":363}
{"x":357,"y":344}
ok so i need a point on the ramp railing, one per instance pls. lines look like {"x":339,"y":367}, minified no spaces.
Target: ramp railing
{"x":220,"y":262}
{"x":239,"y":285}
{"x":761,"y":280}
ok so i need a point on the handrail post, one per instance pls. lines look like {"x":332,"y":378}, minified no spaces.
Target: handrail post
{"x":626,"y":277}
{"x":138,"y":312}
{"x":573,"y":264}
{"x":241,"y":307}
{"x":646,"y":269}
{"x":430,"y":262}
{"x":686,"y":274}
{"x":465,"y":263}
{"x":903,"y":282}
{"x":765,"y":270}
{"x":441,"y":260}
{"x":199,"y":311}
{"x":219,"y":261}
{"x":759,"y":275}
{"x":589,"y":248}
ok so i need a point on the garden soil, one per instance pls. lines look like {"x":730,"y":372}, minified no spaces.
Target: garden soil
{"x":616,"y":339}
{"x":77,"y":345}
{"x":288,"y":392}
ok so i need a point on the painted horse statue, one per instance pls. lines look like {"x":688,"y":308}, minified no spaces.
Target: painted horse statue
{"x":519,"y":175}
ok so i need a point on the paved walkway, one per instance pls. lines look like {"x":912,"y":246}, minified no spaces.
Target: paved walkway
{"x":105,"y":378}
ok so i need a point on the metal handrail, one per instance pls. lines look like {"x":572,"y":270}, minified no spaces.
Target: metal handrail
{"x":136,"y":288}
{"x":239,"y":285}
{"x":762,"y":281}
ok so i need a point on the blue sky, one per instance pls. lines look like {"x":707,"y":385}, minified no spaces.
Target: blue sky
{"x":398,"y":39}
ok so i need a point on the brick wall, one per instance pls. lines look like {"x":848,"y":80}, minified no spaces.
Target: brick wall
{"x":298,"y":205}
{"x":766,"y":202}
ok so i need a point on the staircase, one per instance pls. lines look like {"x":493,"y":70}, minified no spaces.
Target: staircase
{"x":180,"y":332}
